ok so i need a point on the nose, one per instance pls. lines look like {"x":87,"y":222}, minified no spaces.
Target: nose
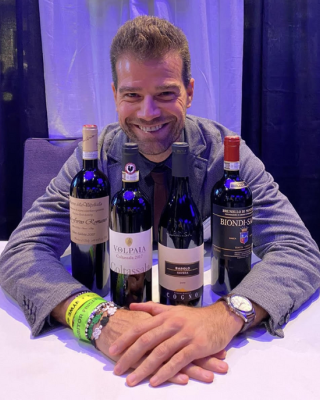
{"x":148,"y":109}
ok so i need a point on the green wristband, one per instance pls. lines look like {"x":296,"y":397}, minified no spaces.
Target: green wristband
{"x":82,"y":315}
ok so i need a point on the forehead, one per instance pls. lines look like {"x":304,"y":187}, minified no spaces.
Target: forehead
{"x":134,"y":72}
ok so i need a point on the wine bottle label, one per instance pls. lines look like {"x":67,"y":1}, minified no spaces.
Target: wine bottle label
{"x":181,"y":272}
{"x":130,"y":253}
{"x":232,"y":166}
{"x":130,"y":173}
{"x":231,"y":232}
{"x":89,"y":220}
{"x":238,"y":185}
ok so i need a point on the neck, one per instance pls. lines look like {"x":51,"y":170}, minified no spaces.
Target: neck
{"x":158,"y":158}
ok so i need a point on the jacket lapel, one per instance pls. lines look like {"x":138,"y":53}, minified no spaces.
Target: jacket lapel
{"x":197,"y":164}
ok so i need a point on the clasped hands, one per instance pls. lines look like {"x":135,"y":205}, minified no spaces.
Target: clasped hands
{"x":170,"y":343}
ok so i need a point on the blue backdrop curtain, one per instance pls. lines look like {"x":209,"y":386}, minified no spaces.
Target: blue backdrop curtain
{"x":22,"y":104}
{"x":281,"y":98}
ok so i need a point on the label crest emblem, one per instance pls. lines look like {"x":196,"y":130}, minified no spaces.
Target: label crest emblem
{"x":244,"y":236}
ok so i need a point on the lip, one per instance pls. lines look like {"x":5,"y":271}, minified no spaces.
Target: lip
{"x":163,"y":126}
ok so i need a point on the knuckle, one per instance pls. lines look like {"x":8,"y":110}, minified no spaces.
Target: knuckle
{"x":145,"y":339}
{"x":177,"y":323}
{"x":180,"y":358}
{"x":136,"y":330}
{"x":161,"y":351}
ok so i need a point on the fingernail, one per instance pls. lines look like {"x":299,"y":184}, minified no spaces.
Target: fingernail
{"x":154,"y":381}
{"x":131,"y":379}
{"x":113,"y":349}
{"x":223,"y":366}
{"x":183,"y":379}
{"x":117,"y":369}
{"x":208,"y":375}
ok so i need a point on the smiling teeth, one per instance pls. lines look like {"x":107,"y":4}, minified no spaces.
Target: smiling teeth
{"x":150,"y":128}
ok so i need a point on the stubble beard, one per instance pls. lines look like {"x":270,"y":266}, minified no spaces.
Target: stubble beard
{"x":155,"y":147}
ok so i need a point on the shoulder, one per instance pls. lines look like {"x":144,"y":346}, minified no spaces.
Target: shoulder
{"x":209,"y":128}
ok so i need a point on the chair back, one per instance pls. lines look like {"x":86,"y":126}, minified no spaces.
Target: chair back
{"x":43,"y":159}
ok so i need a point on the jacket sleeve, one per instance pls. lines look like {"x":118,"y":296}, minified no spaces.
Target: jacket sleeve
{"x":289,"y":270}
{"x":30,"y":267}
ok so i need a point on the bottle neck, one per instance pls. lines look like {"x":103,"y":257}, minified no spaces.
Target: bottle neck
{"x":180,"y":186}
{"x":130,"y":182}
{"x":231,"y":169}
{"x":90,"y":164}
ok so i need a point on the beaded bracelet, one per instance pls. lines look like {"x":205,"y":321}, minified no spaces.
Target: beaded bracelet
{"x":82,"y":317}
{"x":76,"y":303}
{"x":97,"y":331}
{"x":99,"y":310}
{"x":95,"y":316}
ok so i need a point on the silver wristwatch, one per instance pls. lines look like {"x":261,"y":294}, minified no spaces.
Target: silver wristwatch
{"x":242,"y":307}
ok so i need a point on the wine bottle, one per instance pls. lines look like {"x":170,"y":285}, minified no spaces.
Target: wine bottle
{"x":180,"y":247}
{"x":130,"y":236}
{"x":231,"y":223}
{"x":89,"y":219}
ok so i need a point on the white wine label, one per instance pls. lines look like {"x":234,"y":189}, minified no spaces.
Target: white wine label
{"x":232,"y":166}
{"x":231,"y":231}
{"x":130,"y":253}
{"x":181,"y":270}
{"x":90,"y":155}
{"x":89,"y":220}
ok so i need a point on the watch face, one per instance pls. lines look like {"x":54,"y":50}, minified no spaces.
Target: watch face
{"x":241,"y":303}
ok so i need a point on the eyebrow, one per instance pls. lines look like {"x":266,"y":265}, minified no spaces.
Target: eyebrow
{"x":168,"y":87}
{"x":124,"y":89}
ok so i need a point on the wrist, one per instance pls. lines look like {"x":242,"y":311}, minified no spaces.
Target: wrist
{"x":59,"y":312}
{"x":232,"y":323}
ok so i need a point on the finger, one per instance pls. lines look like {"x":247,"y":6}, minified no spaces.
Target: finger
{"x":149,"y":307}
{"x":213,"y":364}
{"x":162,"y":350}
{"x":200,"y":374}
{"x":221,"y":355}
{"x":180,"y":378}
{"x":177,"y":362}
{"x":130,"y":336}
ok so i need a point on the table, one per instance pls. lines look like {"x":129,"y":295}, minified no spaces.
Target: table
{"x":58,"y":366}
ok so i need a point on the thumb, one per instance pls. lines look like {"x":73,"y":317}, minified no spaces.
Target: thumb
{"x":150,"y":307}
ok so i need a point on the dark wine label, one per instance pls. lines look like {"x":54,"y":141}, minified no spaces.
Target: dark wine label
{"x":181,"y":296}
{"x":231,"y":232}
{"x":174,"y":269}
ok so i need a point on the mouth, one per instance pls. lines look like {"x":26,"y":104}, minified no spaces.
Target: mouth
{"x":154,"y":128}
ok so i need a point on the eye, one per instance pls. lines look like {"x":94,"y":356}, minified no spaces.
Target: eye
{"x":131,"y":96}
{"x":167,"y":95}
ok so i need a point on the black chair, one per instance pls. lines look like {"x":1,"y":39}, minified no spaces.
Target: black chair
{"x":43,"y":159}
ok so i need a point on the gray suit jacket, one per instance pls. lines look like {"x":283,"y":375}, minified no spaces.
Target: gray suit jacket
{"x":289,"y":273}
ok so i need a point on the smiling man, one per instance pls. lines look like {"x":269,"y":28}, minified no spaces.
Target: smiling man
{"x":151,"y":100}
{"x":153,"y":89}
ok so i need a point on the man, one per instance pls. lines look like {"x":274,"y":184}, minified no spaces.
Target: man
{"x":153,"y":88}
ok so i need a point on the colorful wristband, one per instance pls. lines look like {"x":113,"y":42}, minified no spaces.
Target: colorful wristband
{"x":76,"y":303}
{"x":82,"y":316}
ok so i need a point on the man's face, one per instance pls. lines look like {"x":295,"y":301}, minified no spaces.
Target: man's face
{"x":151,"y":101}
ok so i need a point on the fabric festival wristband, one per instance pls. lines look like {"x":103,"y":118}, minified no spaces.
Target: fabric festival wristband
{"x":76,"y":303}
{"x":82,"y":316}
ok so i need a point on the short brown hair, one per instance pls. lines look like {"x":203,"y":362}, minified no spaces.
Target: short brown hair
{"x":148,"y":37}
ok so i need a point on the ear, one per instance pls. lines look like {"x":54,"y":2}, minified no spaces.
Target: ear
{"x":190,"y":90}
{"x":114,"y":90}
